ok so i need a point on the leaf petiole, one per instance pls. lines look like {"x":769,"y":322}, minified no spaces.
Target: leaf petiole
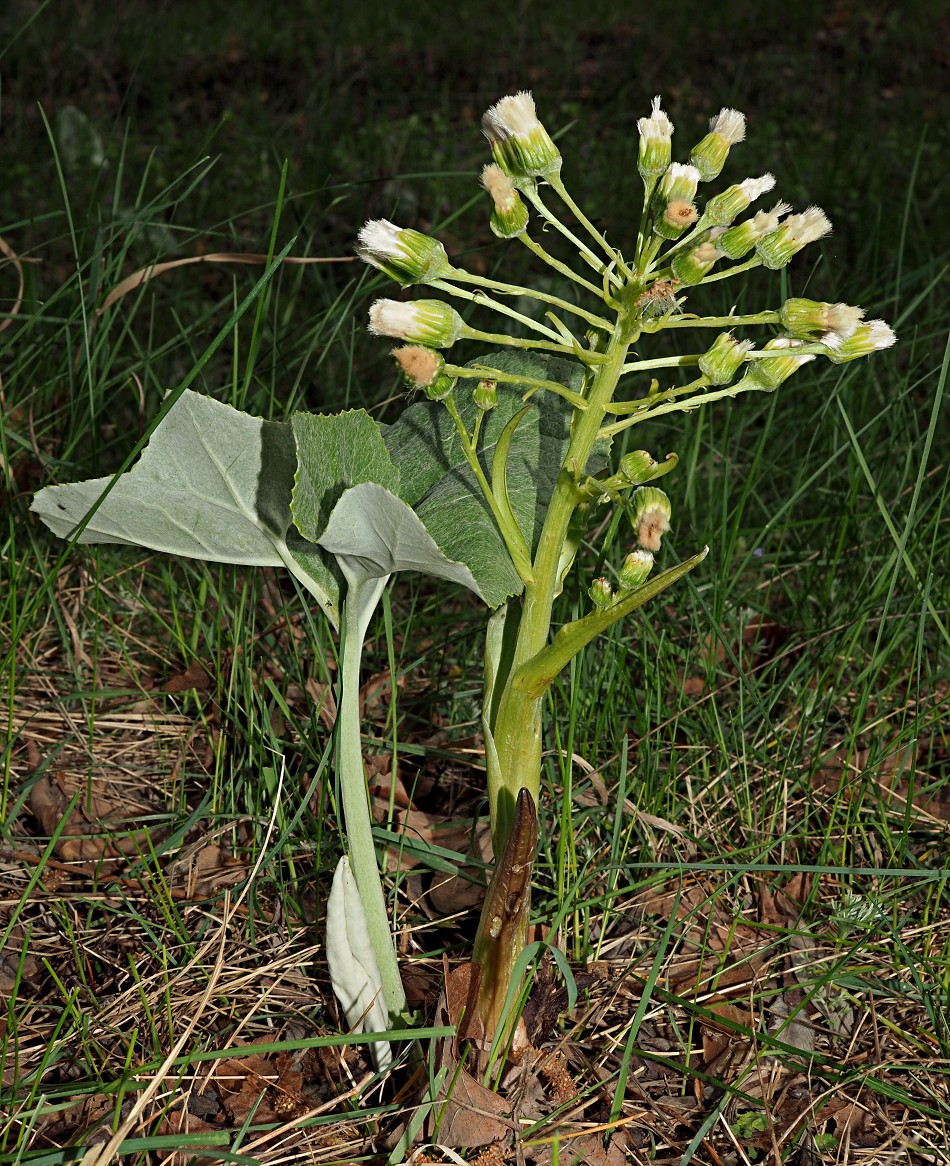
{"x":508,"y":528}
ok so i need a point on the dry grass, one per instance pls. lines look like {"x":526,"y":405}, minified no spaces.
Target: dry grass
{"x":165,"y":997}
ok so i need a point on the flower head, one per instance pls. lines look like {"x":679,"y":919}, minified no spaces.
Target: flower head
{"x":405,"y":255}
{"x":721,"y":363}
{"x":691,"y":266}
{"x":520,"y":144}
{"x":726,"y":130}
{"x":777,"y":248}
{"x":740,"y":239}
{"x":655,"y":145}
{"x":722,"y":209}
{"x":673,"y":209}
{"x":430,"y":323}
{"x":770,"y":372}
{"x":485,"y":395}
{"x":509,"y":215}
{"x":803,"y":318}
{"x":638,"y":467}
{"x":651,"y":516}
{"x":679,"y":180}
{"x":601,"y":593}
{"x":424,"y":369}
{"x":635,"y":569}
{"x":869,"y":337}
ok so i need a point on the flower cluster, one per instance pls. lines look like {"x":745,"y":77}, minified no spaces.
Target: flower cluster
{"x":650,"y":513}
{"x":683,"y":242}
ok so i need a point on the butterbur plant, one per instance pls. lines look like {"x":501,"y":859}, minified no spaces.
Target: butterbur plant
{"x":492,"y":477}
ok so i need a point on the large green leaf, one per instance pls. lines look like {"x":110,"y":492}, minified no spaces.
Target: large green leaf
{"x":213,"y":483}
{"x":438,"y":483}
{"x":373,"y":534}
{"x":334,"y":452}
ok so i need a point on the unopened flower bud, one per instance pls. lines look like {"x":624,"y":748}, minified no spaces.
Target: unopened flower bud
{"x":601,"y":593}
{"x":679,"y":181}
{"x":769,"y":373}
{"x":866,"y":338}
{"x":803,"y":318}
{"x":726,"y":130}
{"x":405,"y":255}
{"x":428,"y":322}
{"x":520,"y":144}
{"x":777,"y":248}
{"x":655,"y":145}
{"x":423,"y":368}
{"x":722,"y":209}
{"x":693,"y":265}
{"x":638,"y":467}
{"x":740,"y":239}
{"x":635,"y":569}
{"x":509,"y":215}
{"x":673,"y":209}
{"x":721,"y":363}
{"x":651,"y":516}
{"x":485,"y":395}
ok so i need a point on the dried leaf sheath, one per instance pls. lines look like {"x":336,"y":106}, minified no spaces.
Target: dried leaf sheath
{"x":504,"y":923}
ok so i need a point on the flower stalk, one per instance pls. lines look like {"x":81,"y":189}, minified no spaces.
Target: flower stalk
{"x":681,"y":238}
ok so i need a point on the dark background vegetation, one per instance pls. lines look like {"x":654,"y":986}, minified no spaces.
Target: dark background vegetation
{"x":375,"y":107}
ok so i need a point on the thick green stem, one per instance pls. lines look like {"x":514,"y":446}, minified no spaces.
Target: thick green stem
{"x":517,"y":728}
{"x":513,"y":735}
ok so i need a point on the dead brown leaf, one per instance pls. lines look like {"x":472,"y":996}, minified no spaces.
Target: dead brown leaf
{"x":97,"y":827}
{"x":376,"y":694}
{"x":180,"y":1121}
{"x":324,"y":702}
{"x":715,"y":950}
{"x":581,"y":1149}
{"x":446,"y":894}
{"x":719,"y":1039}
{"x":849,"y":1118}
{"x":450,"y":894}
{"x":469,"y":1115}
{"x":789,"y":1023}
{"x":195,"y":676}
{"x":268,"y":1088}
{"x":842,"y":772}
{"x":204,"y":869}
{"x":782,"y":907}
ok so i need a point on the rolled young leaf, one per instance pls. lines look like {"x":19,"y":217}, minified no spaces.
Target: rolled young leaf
{"x":354,"y":971}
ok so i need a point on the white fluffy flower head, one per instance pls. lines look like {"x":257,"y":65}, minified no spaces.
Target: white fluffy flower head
{"x":520,"y":144}
{"x":729,"y":124}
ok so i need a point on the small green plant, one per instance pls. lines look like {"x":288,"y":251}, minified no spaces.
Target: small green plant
{"x":491,"y":479}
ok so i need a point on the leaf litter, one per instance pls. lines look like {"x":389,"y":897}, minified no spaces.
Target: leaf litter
{"x":779,"y":1006}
